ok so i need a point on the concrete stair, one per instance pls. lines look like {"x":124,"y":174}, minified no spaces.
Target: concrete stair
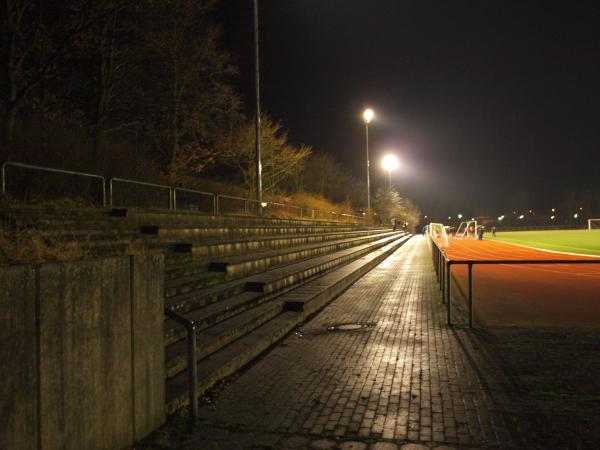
{"x":244,"y":281}
{"x":232,"y":342}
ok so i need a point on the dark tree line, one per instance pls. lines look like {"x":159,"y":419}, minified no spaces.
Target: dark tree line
{"x":138,"y":87}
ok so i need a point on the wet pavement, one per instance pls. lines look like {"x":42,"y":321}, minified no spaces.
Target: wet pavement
{"x":376,"y":369}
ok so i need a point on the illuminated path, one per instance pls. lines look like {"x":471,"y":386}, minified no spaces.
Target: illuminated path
{"x":403,"y":378}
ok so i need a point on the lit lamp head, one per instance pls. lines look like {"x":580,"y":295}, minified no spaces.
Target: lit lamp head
{"x":368,"y":115}
{"x":390,"y":162}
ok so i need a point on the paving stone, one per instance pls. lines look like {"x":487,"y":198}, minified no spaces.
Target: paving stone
{"x":414,"y":447}
{"x":405,"y":376}
{"x":444,"y":447}
{"x":323,"y":444}
{"x":383,"y":446}
{"x":352,"y":445}
{"x":294,"y":441}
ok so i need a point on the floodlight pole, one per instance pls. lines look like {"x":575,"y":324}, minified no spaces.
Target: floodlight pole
{"x":390,"y":174}
{"x":257,"y":118}
{"x":368,"y":170}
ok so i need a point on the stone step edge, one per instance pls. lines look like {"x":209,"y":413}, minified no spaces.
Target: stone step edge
{"x":215,"y":338}
{"x":245,"y":353}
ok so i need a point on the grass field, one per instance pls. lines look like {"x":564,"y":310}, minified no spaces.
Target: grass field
{"x":585,"y":242}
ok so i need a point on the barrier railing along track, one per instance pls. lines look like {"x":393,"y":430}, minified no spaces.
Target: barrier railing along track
{"x":443,"y":268}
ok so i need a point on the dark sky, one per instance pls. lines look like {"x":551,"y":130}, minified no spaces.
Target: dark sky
{"x":490,"y":104}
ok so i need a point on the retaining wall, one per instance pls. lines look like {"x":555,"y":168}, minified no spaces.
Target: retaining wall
{"x":81,"y":353}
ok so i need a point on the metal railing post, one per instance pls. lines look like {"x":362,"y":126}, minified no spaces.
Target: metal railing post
{"x":4,"y":178}
{"x":175,"y":199}
{"x":192,"y":375}
{"x":448,"y":293}
{"x":471,"y":295}
{"x":192,"y":364}
{"x":171,"y":200}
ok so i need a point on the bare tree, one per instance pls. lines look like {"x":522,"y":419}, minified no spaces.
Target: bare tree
{"x":280,"y":160}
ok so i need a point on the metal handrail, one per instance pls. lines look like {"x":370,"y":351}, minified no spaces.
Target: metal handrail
{"x":470,"y":263}
{"x":172,"y":191}
{"x":195,"y":192}
{"x":141,"y":183}
{"x":192,"y":367}
{"x":50,"y":169}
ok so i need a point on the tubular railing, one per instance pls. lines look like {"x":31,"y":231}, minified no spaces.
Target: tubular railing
{"x":192,"y":367}
{"x":193,"y":191}
{"x":139,"y":183}
{"x":249,"y":206}
{"x":443,"y":269}
{"x":50,"y":169}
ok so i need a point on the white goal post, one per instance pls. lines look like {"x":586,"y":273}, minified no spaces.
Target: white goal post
{"x":466,"y":230}
{"x":593,"y":224}
{"x":437,"y":232}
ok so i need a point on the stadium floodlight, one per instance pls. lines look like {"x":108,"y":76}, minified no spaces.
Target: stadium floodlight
{"x":368,"y":115}
{"x":575,"y":216}
{"x":552,"y":217}
{"x":390,"y":162}
{"x":501,"y":218}
{"x":553,"y":209}
{"x":459,"y":216}
{"x":521,"y":217}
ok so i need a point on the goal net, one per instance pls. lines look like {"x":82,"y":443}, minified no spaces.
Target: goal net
{"x":437,"y":232}
{"x":593,"y":224}
{"x":466,"y":230}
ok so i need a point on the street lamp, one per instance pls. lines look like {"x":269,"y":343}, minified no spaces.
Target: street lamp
{"x":390,"y":162}
{"x":368,"y":115}
{"x":257,"y":156}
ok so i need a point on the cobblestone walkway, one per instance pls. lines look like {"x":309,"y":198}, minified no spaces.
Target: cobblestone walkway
{"x":402,"y":380}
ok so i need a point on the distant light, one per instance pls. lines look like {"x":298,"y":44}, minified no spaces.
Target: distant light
{"x":530,"y":211}
{"x":368,"y":115}
{"x":580,"y":209}
{"x":472,"y":218}
{"x":553,"y":209}
{"x":575,"y":215}
{"x":501,"y":218}
{"x":459,"y":216}
{"x":264,"y":204}
{"x":449,"y":217}
{"x":521,"y":217}
{"x":390,"y":162}
{"x":552,"y":217}
{"x":426,"y":217}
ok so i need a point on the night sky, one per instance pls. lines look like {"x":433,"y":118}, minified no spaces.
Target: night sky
{"x":491,"y":105}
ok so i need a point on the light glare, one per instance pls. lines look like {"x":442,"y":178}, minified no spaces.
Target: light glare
{"x":390,"y":162}
{"x":368,"y":115}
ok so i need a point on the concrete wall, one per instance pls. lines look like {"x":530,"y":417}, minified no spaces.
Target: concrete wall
{"x":82,"y":353}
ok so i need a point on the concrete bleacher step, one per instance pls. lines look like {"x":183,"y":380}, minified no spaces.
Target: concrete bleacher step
{"x":272,"y":280}
{"x":219,"y":335}
{"x":312,"y":296}
{"x":215,"y":248}
{"x":199,"y":254}
{"x":191,"y":282}
{"x":259,"y":262}
{"x":172,"y":233}
{"x":214,"y":304}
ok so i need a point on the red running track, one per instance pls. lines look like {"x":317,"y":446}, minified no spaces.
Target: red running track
{"x":528,"y":294}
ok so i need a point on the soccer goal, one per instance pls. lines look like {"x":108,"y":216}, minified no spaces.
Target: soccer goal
{"x":593,"y":224}
{"x":437,"y":232}
{"x":466,"y":230}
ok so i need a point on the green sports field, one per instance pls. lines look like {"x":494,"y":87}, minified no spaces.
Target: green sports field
{"x":585,"y":242}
